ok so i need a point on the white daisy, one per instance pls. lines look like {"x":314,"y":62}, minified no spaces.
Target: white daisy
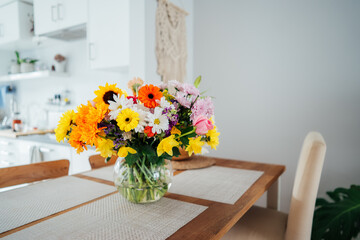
{"x":142,"y":122}
{"x":118,"y":104}
{"x":163,"y":103}
{"x":158,"y":121}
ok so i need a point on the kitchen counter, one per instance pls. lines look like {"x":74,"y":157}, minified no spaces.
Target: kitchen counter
{"x":11,"y":134}
{"x":43,"y":138}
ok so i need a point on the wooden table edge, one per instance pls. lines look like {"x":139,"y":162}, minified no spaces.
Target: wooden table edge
{"x":219,"y":162}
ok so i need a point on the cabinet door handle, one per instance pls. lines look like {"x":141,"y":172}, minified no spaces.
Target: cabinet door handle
{"x":52,"y":13}
{"x":45,"y":150}
{"x":60,"y":12}
{"x":91,"y":51}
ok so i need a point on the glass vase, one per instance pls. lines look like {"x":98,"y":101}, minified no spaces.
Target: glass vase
{"x":141,"y":183}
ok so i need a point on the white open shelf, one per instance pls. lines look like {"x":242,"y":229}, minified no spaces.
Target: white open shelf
{"x":32,"y":75}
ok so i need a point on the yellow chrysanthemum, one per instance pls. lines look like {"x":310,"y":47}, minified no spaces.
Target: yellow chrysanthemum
{"x":75,"y":142}
{"x":106,"y":93}
{"x":213,"y":138}
{"x":174,"y":131}
{"x":166,"y":145}
{"x":195,"y":145}
{"x":127,"y":120}
{"x":124,"y":151}
{"x":87,"y":120}
{"x":64,"y":125}
{"x":105,"y":147}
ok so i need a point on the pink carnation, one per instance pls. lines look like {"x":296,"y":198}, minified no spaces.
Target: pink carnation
{"x":203,"y":107}
{"x":183,"y":99}
{"x":191,"y":89}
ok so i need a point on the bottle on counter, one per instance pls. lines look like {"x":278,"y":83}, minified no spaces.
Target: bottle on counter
{"x":16,"y":122}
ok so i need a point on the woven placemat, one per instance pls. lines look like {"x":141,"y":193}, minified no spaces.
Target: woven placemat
{"x":215,"y":183}
{"x":114,"y":217}
{"x":24,"y":205}
{"x":106,"y":173}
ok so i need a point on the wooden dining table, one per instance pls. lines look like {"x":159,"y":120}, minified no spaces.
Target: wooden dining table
{"x":218,"y":218}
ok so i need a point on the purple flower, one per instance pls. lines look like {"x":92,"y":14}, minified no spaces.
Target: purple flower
{"x":118,"y":142}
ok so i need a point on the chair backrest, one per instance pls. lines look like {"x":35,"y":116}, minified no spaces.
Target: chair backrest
{"x":97,"y":161}
{"x":11,"y":176}
{"x":305,"y":189}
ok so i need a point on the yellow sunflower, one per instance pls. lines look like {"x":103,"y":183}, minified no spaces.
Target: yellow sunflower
{"x":104,"y":94}
{"x":127,"y":120}
{"x":64,"y":125}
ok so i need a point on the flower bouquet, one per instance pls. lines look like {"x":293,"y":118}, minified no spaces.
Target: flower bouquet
{"x":145,"y":129}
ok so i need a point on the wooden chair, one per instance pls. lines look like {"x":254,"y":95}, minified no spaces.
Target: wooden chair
{"x":33,"y":172}
{"x":97,"y":161}
{"x":263,"y":223}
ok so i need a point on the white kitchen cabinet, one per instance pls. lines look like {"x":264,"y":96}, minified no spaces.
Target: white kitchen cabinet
{"x":54,"y":15}
{"x":15,"y":22}
{"x":18,"y":151}
{"x":108,"y":34}
{"x":52,"y":152}
{"x":14,"y":152}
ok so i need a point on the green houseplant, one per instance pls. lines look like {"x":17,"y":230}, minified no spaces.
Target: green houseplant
{"x":26,"y":64}
{"x":338,"y":218}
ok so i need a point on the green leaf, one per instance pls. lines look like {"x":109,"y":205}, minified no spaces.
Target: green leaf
{"x":131,"y":159}
{"x":186,"y":130}
{"x":153,"y":159}
{"x":107,"y":159}
{"x":32,"y":61}
{"x":176,"y":151}
{"x":338,"y":218}
{"x":197,"y":81}
{"x":184,"y":140}
{"x":17,"y":57}
{"x":148,"y":150}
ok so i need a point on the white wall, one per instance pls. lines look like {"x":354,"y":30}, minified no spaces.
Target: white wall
{"x":280,"y":69}
{"x":151,"y":62}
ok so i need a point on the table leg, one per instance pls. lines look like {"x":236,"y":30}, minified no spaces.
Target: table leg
{"x":273,"y":192}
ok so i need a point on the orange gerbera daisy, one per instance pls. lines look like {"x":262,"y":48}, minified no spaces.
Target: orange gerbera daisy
{"x":105,"y":94}
{"x":148,"y":95}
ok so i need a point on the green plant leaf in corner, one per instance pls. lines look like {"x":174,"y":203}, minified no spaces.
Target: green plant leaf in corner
{"x":18,"y":60}
{"x":197,"y":82}
{"x":338,"y":218}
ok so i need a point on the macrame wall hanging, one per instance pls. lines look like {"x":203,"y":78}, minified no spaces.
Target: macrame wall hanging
{"x":171,"y":50}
